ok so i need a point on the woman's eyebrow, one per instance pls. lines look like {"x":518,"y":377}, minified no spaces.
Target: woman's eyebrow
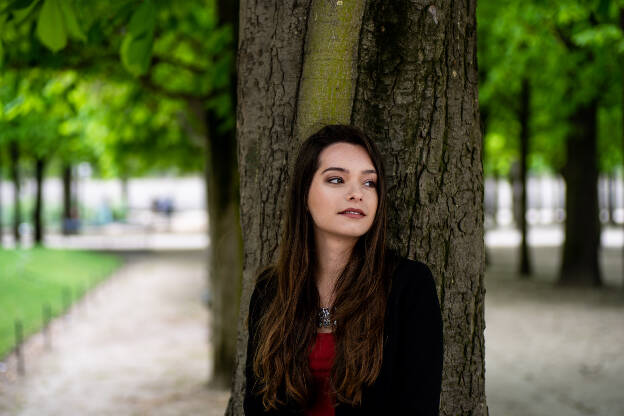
{"x":347,"y":170}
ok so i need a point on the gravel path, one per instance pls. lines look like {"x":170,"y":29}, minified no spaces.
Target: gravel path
{"x":137,"y":345}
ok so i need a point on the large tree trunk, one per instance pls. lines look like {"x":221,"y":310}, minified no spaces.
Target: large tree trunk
{"x":67,"y":199}
{"x":582,"y":226}
{"x":14,"y":155}
{"x":524,"y":118}
{"x":406,"y":73}
{"x":38,"y":212}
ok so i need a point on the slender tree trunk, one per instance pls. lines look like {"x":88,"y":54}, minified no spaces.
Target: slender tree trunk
{"x":14,"y":155}
{"x":67,"y":198}
{"x":38,"y":212}
{"x":124,"y":194}
{"x":582,"y":226}
{"x":225,"y":251}
{"x":483,"y":125}
{"x":524,"y":118}
{"x":611,"y":198}
{"x":406,"y":73}
{"x":1,"y":203}
{"x":495,"y":195}
{"x":622,"y":109}
{"x":516,"y":191}
{"x":560,"y":200}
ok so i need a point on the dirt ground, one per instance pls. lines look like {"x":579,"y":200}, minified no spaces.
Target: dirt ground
{"x":137,"y":345}
{"x":553,"y":350}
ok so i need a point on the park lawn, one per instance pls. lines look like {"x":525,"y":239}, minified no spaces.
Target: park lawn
{"x":31,"y":278}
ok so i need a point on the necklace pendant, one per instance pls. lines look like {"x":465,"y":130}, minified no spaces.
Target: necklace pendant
{"x":324,"y":319}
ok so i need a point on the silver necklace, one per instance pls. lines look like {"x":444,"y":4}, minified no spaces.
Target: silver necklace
{"x":324,"y":319}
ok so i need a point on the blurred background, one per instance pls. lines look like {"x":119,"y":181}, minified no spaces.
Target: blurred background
{"x":112,"y":117}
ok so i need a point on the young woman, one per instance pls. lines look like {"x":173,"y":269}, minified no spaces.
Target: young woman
{"x":341,"y":325}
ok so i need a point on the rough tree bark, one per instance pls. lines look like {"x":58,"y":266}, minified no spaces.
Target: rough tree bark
{"x":38,"y":211}
{"x":404,"y":71}
{"x":14,"y":155}
{"x":582,"y":227}
{"x":524,"y":116}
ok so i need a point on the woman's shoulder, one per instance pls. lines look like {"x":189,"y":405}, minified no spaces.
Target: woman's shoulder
{"x":413,"y":291}
{"x":411,"y":274}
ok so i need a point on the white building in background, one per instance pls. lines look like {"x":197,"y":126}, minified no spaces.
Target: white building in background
{"x":187,"y":194}
{"x":546,"y":200}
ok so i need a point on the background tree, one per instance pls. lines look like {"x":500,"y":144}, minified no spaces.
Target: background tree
{"x":406,"y":73}
{"x":562,"y":51}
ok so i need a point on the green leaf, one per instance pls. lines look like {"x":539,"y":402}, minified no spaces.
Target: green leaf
{"x":603,"y":8}
{"x":69,"y":17}
{"x":143,"y":19}
{"x":136,"y":53}
{"x":17,"y":5}
{"x":1,"y":54}
{"x":136,"y":47}
{"x":598,"y":35}
{"x":20,"y":15}
{"x":50,"y":26}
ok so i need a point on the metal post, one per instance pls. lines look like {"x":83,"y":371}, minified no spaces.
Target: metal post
{"x":66,"y":301}
{"x":47,"y":317}
{"x":19,"y":339}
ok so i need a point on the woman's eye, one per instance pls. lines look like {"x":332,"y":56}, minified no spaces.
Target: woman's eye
{"x":371,"y":183}
{"x":330,"y":180}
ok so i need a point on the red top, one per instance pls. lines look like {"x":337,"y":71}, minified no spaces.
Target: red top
{"x":321,"y":359}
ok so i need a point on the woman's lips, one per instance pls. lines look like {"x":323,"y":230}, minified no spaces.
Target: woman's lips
{"x":353,"y":213}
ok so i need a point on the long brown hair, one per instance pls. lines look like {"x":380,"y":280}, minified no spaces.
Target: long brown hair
{"x":287,"y":328}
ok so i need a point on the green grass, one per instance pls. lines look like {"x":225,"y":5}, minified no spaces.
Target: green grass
{"x":33,"y":277}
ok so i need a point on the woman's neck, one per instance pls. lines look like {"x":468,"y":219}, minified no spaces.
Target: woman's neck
{"x":332,"y":255}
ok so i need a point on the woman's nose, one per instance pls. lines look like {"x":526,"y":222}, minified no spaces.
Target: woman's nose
{"x":354,"y":193}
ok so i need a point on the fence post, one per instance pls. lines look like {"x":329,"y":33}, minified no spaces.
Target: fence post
{"x":47,"y":317}
{"x":19,"y":339}
{"x":66,"y":299}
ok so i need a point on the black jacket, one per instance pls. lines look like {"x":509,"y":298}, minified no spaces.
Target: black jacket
{"x":411,"y":374}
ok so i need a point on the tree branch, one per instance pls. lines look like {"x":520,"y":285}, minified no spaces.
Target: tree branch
{"x":196,"y":69}
{"x":150,"y":85}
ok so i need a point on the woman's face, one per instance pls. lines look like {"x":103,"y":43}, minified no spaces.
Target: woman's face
{"x":346,"y":179}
